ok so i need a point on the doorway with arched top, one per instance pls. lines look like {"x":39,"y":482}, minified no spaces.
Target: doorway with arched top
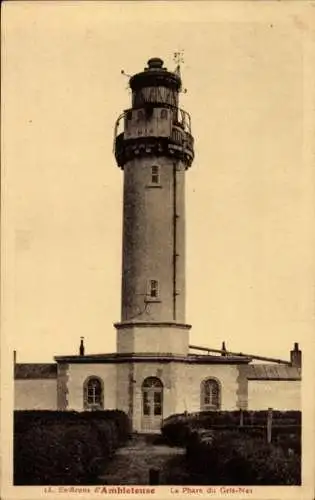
{"x":152,"y":404}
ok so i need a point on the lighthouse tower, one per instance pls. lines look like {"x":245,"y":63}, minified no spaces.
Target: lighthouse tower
{"x":154,"y":150}
{"x":152,"y":375}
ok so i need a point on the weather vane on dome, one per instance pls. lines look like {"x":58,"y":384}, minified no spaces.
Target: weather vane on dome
{"x":179,"y":59}
{"x":128,"y":76}
{"x":124,"y":73}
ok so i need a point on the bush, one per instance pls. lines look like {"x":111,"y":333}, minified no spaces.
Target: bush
{"x":237,"y":458}
{"x":119,"y":418}
{"x":231,"y":419}
{"x":176,"y":433}
{"x":64,"y":447}
{"x":221,"y":452}
{"x":56,"y":455}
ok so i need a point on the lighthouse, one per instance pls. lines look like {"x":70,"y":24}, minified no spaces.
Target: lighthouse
{"x":154,"y":148}
{"x":155,"y":371}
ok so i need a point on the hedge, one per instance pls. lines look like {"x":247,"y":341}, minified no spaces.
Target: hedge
{"x":175,"y":427}
{"x":219,"y":452}
{"x":65,"y":448}
{"x":232,"y":418}
{"x":231,"y":457}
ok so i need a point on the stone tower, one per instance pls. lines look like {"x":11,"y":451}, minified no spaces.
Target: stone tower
{"x":154,"y":150}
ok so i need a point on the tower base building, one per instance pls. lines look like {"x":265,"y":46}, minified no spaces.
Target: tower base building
{"x":152,"y":387}
{"x":155,"y":371}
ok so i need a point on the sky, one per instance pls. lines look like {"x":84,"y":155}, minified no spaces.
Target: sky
{"x":249,"y":193}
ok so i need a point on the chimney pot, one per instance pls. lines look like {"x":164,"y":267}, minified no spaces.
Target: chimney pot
{"x":296,"y":356}
{"x":82,"y":348}
{"x":223,"y":348}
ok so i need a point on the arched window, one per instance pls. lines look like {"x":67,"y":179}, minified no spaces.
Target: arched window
{"x":163,"y":114}
{"x":93,"y":393}
{"x":210,"y":394}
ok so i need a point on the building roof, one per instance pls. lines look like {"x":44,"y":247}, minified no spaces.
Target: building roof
{"x":273,"y":372}
{"x":35,"y":371}
{"x":152,"y":357}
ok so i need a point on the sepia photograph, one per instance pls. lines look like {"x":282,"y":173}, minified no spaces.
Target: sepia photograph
{"x":158,"y":249}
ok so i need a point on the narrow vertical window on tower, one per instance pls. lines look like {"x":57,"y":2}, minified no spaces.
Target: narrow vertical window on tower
{"x":153,"y":290}
{"x":155,"y":175}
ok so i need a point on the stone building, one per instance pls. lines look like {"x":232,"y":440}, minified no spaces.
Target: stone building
{"x":155,"y":371}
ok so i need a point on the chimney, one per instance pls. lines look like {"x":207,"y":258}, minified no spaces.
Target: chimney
{"x":296,"y":356}
{"x":223,"y":348}
{"x":14,"y":357}
{"x":82,"y":349}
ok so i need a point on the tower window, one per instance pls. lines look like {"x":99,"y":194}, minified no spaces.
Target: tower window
{"x":153,"y":291}
{"x":140,"y":115}
{"x":155,"y":174}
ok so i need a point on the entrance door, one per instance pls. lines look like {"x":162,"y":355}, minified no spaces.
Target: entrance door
{"x":152,"y":404}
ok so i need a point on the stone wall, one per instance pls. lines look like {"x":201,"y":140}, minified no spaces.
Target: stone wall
{"x":188,"y":385}
{"x":181,"y":388}
{"x":277,"y":394}
{"x":39,"y":394}
{"x":79,"y":372}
